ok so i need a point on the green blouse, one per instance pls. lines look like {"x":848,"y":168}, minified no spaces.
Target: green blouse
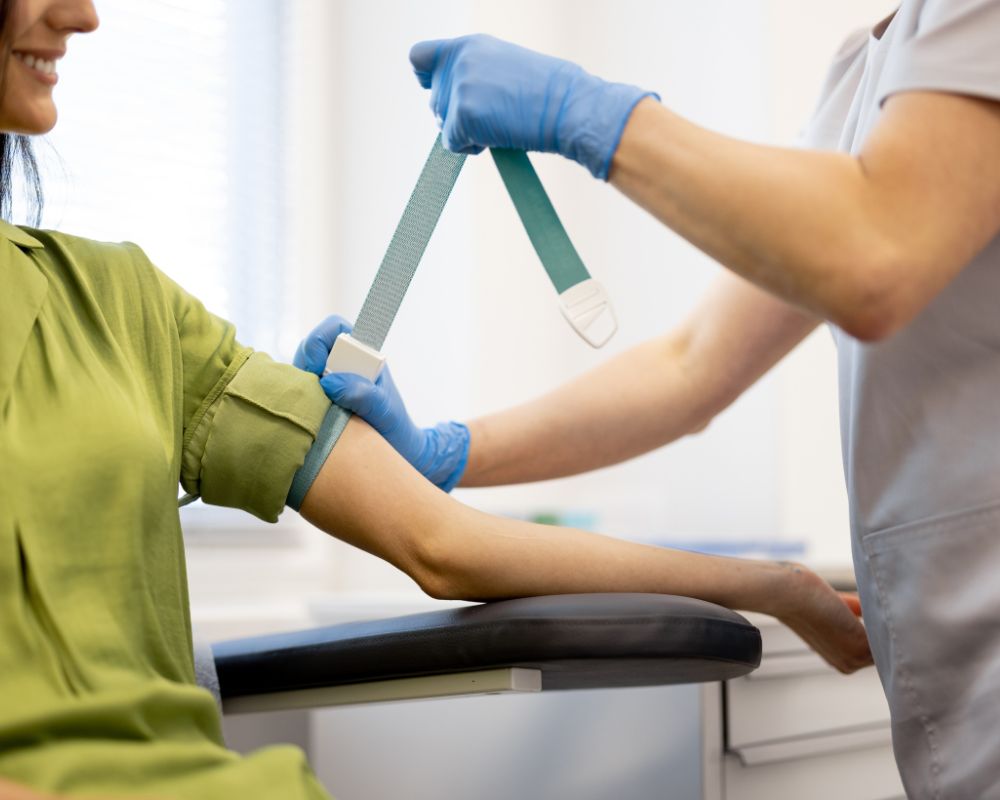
{"x":114,"y":385}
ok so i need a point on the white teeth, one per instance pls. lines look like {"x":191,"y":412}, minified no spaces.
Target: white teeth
{"x":47,"y":67}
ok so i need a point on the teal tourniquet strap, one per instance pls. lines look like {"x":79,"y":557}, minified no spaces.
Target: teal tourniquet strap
{"x":408,"y":244}
{"x":582,"y":299}
{"x":547,"y":234}
{"x":386,"y":294}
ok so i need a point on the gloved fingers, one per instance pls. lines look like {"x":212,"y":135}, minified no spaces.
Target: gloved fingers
{"x":453,"y":116}
{"x":423,"y":57}
{"x":454,"y":140}
{"x":441,"y":79}
{"x":434,"y":63}
{"x":314,"y":350}
{"x":358,"y":395}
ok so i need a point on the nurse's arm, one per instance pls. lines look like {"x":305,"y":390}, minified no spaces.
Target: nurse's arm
{"x":369,"y":497}
{"x":864,"y":241}
{"x":644,"y":398}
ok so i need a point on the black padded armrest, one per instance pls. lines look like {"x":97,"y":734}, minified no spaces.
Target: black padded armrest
{"x":577,"y":641}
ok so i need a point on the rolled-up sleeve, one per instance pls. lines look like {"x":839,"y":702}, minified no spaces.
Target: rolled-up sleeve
{"x":247,"y":445}
{"x":248,"y":421}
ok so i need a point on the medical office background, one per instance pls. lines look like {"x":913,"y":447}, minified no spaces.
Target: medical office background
{"x":261,"y":151}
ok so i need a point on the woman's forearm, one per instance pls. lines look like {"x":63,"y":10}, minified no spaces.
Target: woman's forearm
{"x":368,"y":496}
{"x":500,"y":558}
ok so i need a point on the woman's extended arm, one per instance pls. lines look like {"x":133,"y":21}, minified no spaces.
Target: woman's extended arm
{"x":368,"y":496}
{"x":864,"y":241}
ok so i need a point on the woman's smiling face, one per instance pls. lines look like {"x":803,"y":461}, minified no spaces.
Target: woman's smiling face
{"x":37,"y":32}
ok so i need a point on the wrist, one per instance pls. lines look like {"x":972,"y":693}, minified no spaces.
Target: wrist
{"x":444,"y":455}
{"x":647,"y":127}
{"x":786,"y":584}
{"x":476,"y":466}
{"x":764,"y":587}
{"x":594,"y":116}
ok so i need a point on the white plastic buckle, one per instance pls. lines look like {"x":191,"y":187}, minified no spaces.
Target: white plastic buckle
{"x":587,"y":308}
{"x":350,"y":355}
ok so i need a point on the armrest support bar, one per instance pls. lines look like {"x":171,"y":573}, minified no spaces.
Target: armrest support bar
{"x":506,"y":680}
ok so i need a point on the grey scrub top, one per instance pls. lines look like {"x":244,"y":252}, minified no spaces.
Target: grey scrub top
{"x":920,"y":424}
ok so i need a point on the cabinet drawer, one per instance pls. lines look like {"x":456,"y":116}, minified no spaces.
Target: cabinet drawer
{"x":859,"y":774}
{"x":804,"y":699}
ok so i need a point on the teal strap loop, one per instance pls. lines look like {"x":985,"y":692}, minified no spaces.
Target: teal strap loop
{"x":546,"y":231}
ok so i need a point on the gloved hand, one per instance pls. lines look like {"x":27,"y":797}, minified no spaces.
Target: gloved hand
{"x":489,"y":93}
{"x":439,"y":453}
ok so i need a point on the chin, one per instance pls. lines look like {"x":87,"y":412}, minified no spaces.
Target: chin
{"x":41,"y":125}
{"x":34,"y":124}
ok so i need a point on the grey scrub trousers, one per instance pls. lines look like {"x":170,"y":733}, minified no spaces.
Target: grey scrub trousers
{"x":920,"y":421}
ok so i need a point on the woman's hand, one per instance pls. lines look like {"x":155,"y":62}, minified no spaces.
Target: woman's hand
{"x":439,"y":453}
{"x":489,"y":93}
{"x":828,"y":621}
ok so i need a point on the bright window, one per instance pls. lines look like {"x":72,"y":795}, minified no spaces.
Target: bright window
{"x":170,"y":135}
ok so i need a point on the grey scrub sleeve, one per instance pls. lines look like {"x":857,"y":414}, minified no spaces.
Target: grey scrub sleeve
{"x":920,"y":423}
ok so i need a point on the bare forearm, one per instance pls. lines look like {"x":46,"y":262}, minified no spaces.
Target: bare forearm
{"x":864,"y":240}
{"x":805,"y":225}
{"x":501,"y":558}
{"x":640,"y":400}
{"x":644,"y":398}
{"x":368,"y":496}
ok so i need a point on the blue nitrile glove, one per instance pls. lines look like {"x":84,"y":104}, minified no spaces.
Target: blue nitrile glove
{"x":489,"y":93}
{"x":439,"y":453}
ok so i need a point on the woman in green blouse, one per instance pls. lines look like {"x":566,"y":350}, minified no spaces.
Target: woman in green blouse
{"x":115,"y":385}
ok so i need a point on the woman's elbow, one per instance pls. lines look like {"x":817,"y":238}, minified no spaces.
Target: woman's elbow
{"x":433,"y":563}
{"x":440,"y":585}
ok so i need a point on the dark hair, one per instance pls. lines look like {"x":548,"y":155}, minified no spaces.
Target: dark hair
{"x":15,"y":148}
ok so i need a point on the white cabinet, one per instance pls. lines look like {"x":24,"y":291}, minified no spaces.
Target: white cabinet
{"x":798,"y":728}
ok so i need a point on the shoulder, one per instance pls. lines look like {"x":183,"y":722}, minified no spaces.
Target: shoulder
{"x":116,"y":281}
{"x":89,"y":253}
{"x":106,"y":268}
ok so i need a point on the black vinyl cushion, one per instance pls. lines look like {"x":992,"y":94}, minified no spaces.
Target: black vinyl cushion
{"x":578,"y":641}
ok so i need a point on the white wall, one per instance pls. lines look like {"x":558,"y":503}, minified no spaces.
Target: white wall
{"x":480,"y":328}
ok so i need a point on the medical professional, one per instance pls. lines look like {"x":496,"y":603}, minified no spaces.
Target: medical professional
{"x":886,"y":227}
{"x":115,"y":386}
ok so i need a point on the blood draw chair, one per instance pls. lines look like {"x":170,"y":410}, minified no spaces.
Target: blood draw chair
{"x":553,"y":643}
